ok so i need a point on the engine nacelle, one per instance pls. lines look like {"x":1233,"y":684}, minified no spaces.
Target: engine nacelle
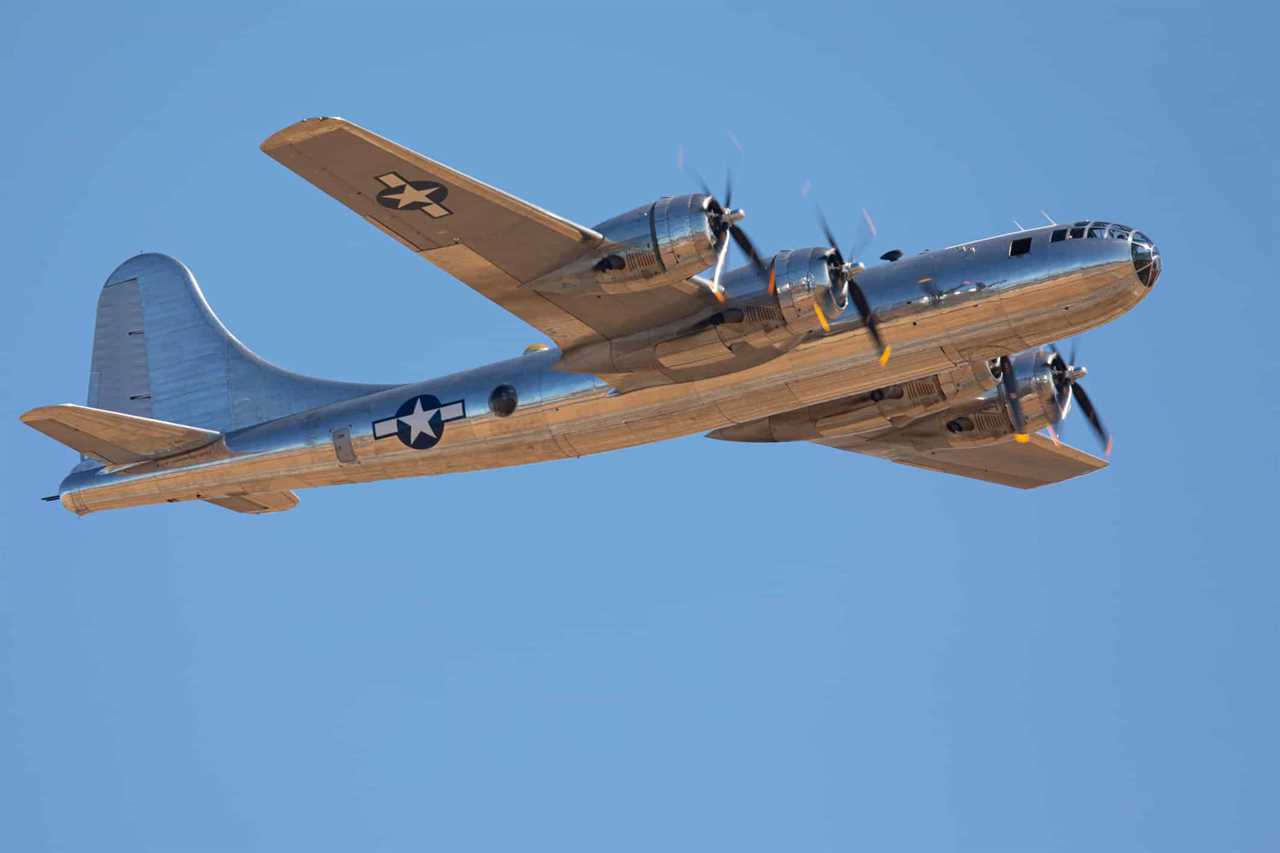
{"x":808,"y":289}
{"x":1043,"y":394}
{"x":660,"y":243}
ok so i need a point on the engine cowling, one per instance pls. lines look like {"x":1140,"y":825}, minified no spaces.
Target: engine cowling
{"x":1043,"y":393}
{"x":808,"y":287}
{"x":657,"y":244}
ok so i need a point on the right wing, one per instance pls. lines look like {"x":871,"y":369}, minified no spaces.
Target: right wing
{"x":1038,"y":462}
{"x":490,"y":240}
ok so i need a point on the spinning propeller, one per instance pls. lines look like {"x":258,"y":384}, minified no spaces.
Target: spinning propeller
{"x":1066,"y":383}
{"x":724,"y":221}
{"x":1066,"y":387}
{"x":845,"y":272}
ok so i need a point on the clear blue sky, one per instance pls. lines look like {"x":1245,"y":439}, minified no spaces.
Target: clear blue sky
{"x":689,"y":646}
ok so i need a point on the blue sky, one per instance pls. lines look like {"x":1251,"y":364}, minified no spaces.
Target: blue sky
{"x":694,"y":645}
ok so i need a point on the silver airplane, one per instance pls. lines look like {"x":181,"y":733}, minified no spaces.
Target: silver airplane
{"x":792,"y":347}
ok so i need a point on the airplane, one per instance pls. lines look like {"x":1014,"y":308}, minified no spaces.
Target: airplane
{"x":940,"y":360}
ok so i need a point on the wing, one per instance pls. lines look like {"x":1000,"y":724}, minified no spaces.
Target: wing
{"x":490,"y":240}
{"x":1038,"y":462}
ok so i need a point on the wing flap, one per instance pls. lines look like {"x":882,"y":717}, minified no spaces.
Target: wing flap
{"x":257,"y":503}
{"x":1038,"y":462}
{"x":114,"y":437}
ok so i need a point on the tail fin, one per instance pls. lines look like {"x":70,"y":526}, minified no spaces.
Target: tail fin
{"x":160,"y":352}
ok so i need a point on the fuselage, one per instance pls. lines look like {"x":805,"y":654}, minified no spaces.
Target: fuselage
{"x":941,"y":310}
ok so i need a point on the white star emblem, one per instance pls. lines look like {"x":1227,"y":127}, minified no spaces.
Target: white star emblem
{"x":423,"y":421}
{"x":419,"y":421}
{"x":408,"y":195}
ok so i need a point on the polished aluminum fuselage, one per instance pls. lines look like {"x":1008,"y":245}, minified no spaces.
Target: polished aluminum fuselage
{"x":940,"y":310}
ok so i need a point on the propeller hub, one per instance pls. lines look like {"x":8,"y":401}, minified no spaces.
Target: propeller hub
{"x":1076,"y":373}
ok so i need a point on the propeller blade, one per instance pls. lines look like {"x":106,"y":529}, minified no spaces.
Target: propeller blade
{"x":716,"y":290}
{"x":860,"y":246}
{"x":1091,"y":415}
{"x":728,"y":189}
{"x":1061,"y":390}
{"x":826,"y":230}
{"x":744,"y":243}
{"x":1009,"y":390}
{"x":702,"y":183}
{"x":864,"y":311}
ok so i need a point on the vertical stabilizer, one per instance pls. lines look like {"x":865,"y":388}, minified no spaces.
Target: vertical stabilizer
{"x":160,"y":352}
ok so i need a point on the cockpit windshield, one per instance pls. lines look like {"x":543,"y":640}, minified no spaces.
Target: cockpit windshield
{"x":1092,"y":230}
{"x":1146,"y":258}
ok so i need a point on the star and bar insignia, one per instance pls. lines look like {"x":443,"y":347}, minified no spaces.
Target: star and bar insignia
{"x":419,"y":422}
{"x":401,"y":194}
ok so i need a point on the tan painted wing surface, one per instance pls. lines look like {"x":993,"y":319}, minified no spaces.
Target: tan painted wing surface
{"x":1025,"y":466}
{"x":488,"y":239}
{"x":114,"y":437}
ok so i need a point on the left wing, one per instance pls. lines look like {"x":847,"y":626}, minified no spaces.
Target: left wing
{"x":1038,"y":462}
{"x":489,"y":239}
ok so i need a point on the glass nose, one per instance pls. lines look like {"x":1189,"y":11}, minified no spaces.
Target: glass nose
{"x":1146,"y":258}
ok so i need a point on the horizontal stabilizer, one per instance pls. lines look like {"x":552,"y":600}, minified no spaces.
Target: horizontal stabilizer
{"x":258,"y":503}
{"x":114,"y":437}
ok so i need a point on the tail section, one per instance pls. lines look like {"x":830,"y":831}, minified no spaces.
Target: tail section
{"x":159,"y":352}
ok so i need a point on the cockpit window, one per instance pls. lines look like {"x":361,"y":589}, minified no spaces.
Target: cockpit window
{"x":1058,"y":236}
{"x":1098,"y":231}
{"x":1077,"y":233}
{"x":1020,"y":247}
{"x":1119,"y":232}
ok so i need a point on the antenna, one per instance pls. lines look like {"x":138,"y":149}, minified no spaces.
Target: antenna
{"x":1048,"y":217}
{"x":1019,"y":224}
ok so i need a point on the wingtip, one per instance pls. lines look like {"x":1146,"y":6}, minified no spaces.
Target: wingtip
{"x":300,"y":130}
{"x":40,"y":413}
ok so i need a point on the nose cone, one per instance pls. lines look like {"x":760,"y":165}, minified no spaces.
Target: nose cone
{"x":1146,"y":258}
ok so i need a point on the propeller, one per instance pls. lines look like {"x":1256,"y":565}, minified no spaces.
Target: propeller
{"x":847,"y":272}
{"x":1066,"y":380}
{"x":724,"y":224}
{"x":1009,"y":393}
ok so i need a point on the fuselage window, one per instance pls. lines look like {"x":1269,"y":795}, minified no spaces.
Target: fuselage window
{"x":1019,"y":247}
{"x":1058,"y":236}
